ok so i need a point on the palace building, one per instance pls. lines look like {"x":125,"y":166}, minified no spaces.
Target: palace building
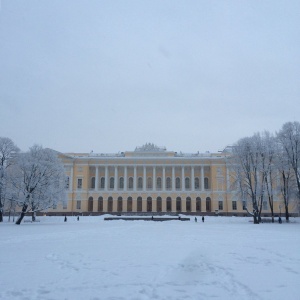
{"x":148,"y":180}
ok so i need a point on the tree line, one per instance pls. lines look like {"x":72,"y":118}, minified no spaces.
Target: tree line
{"x":33,"y":180}
{"x":265,"y":165}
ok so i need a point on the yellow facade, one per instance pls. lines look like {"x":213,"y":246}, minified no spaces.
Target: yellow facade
{"x":149,"y":180}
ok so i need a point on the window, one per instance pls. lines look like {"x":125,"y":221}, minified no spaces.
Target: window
{"x":206,"y":186}
{"x":93,"y":180}
{"x":79,"y":183}
{"x":177,"y":183}
{"x":120,"y":204}
{"x":121,"y":183}
{"x":140,"y":183}
{"x":102,"y":182}
{"x":169,"y":204}
{"x":158,"y":183}
{"x":187,"y":183}
{"x":149,"y":183}
{"x":244,"y":205}
{"x":197,"y":183}
{"x":78,"y":204}
{"x":100,"y":204}
{"x":110,"y":204}
{"x":149,"y":204}
{"x":188,"y":204}
{"x":67,"y":182}
{"x":111,"y":182}
{"x":90,"y":204}
{"x":198,"y":204}
{"x":129,"y":204}
{"x":168,"y":183}
{"x":178,"y":204}
{"x":130,"y":183}
{"x":139,"y":204}
{"x":159,"y":204}
{"x":208,"y":204}
{"x":220,"y":205}
{"x":234,"y":207}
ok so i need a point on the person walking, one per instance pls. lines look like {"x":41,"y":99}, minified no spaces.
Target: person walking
{"x":203,"y":219}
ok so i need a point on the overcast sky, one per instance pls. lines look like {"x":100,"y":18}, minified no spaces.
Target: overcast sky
{"x":108,"y":76}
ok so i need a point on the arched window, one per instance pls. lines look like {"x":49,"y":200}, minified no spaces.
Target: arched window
{"x":129,"y":204}
{"x":100,"y":204}
{"x":120,"y":204}
{"x":168,"y":183}
{"x":198,"y":204}
{"x":178,"y":204}
{"x":102,"y":183}
{"x":90,"y":204}
{"x":93,"y":180}
{"x":188,"y":204}
{"x":158,"y":183}
{"x":177,"y":183}
{"x":130,"y":183}
{"x":110,"y":204}
{"x":158,"y":204}
{"x":206,"y":183}
{"x":111,"y":182}
{"x":169,"y":204}
{"x":139,"y":204}
{"x":121,"y":183}
{"x":140,"y":183}
{"x":187,"y":183}
{"x":149,"y":204}
{"x":208,"y":204}
{"x":197,"y":183}
{"x":149,"y":183}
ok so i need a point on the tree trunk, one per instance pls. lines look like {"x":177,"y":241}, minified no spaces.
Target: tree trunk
{"x":287,"y":217}
{"x":1,"y":212}
{"x":22,"y":215}
{"x":33,"y":216}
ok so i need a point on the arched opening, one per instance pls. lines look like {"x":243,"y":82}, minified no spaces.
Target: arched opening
{"x":187,"y":183}
{"x":110,"y":204}
{"x":139,"y":204}
{"x":178,"y":204}
{"x":90,"y":204}
{"x":168,"y":183}
{"x":120,"y":204}
{"x":93,"y":181}
{"x":111,"y":182}
{"x":102,"y":183}
{"x":158,"y":204}
{"x":208,"y":204}
{"x":140,"y":183}
{"x":188,"y":204}
{"x":198,"y":204}
{"x":121,"y":183}
{"x":158,"y":183}
{"x":169,"y":204}
{"x":149,"y":204}
{"x":129,"y":204}
{"x":100,"y":204}
{"x":197,"y":183}
{"x":206,"y":183}
{"x":177,"y":183}
{"x":149,"y":183}
{"x":130,"y":183}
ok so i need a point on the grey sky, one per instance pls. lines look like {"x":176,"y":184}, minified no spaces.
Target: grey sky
{"x":109,"y":75}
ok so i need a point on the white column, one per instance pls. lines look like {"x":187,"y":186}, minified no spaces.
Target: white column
{"x":182,"y":179}
{"x":193,"y":178}
{"x":173,"y":178}
{"x":125,"y":178}
{"x":106,"y":178}
{"x":164,"y":178}
{"x":134,"y":178}
{"x":97,"y":179}
{"x":202,"y":178}
{"x":116,"y":179}
{"x":154,"y":179}
{"x":144,"y":179}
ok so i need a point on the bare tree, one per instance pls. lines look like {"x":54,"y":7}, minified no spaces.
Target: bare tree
{"x":40,"y":180}
{"x":289,"y":137}
{"x":7,"y":151}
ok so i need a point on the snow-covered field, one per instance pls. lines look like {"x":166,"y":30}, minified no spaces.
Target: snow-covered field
{"x":222,"y":258}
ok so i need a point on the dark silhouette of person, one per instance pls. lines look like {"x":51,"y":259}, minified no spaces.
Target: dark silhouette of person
{"x":203,"y":219}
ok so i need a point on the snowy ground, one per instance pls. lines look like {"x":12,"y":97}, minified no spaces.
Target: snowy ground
{"x":223,"y":258}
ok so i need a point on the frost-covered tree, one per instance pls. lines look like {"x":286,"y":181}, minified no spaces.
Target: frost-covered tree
{"x":40,"y":181}
{"x":289,"y":137}
{"x":7,"y":150}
